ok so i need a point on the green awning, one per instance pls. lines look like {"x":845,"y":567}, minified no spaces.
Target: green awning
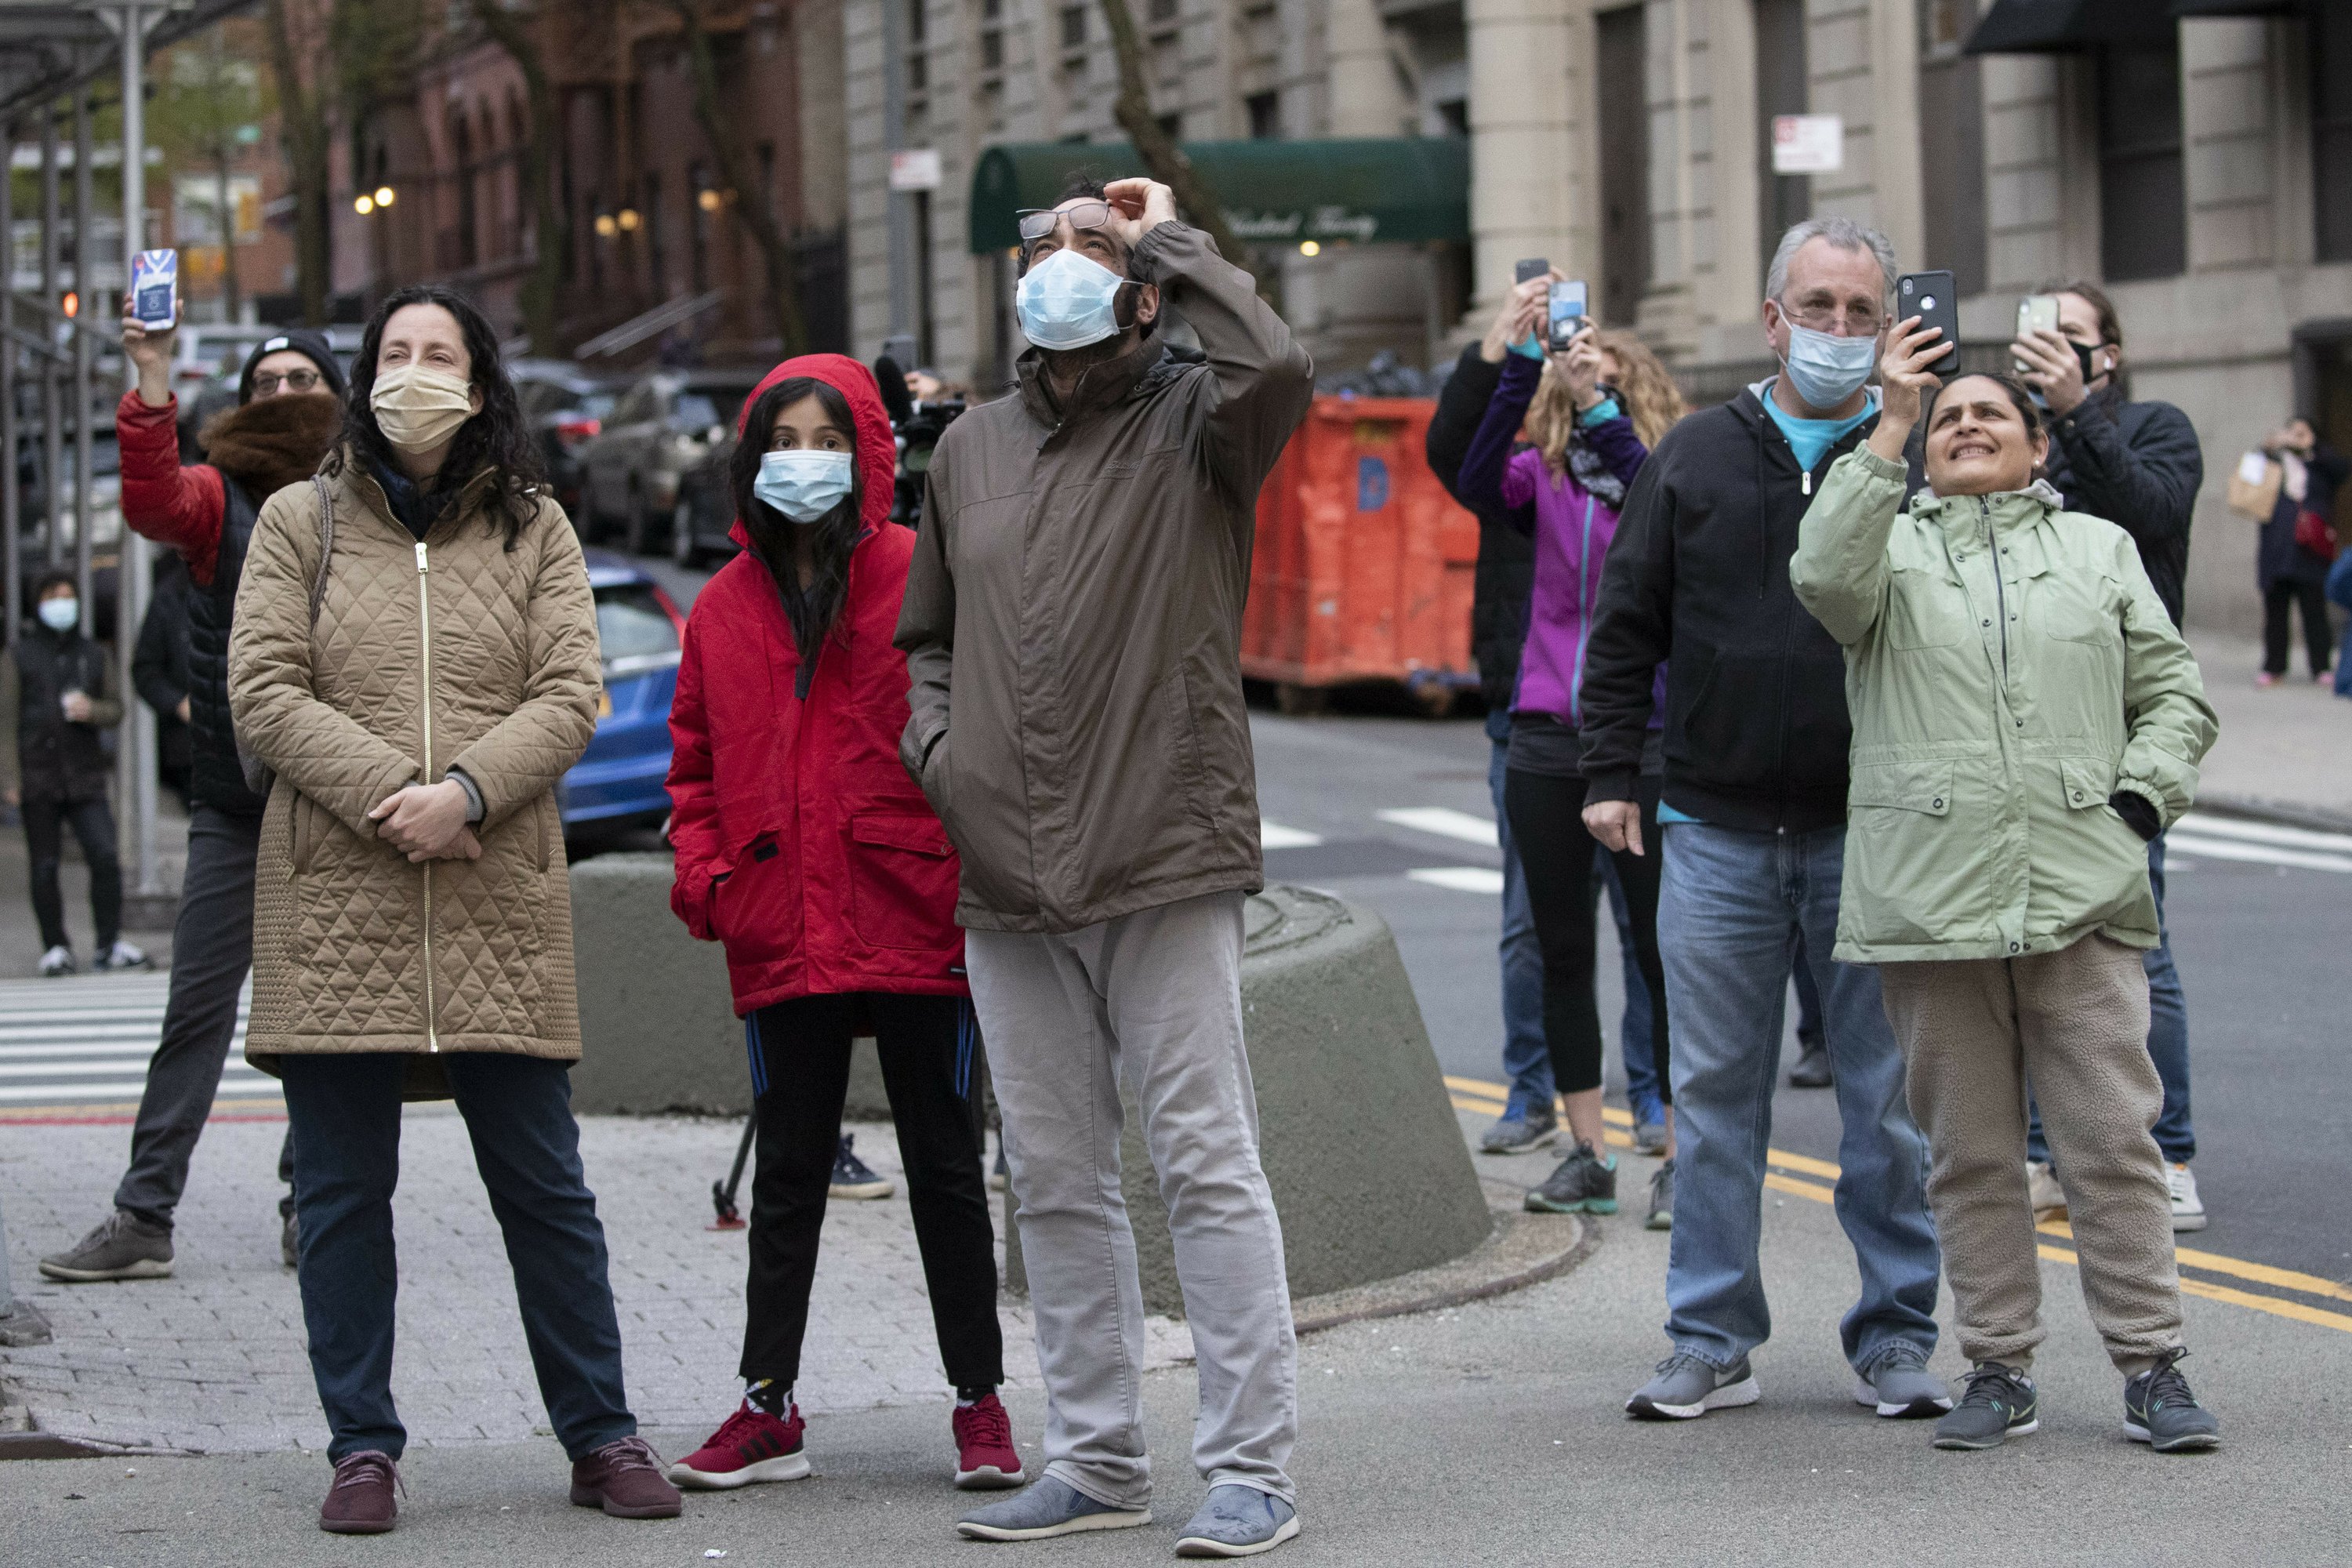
{"x":1367,"y":191}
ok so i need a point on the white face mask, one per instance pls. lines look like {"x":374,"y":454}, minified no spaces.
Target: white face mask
{"x":804,"y":483}
{"x":418,"y":407}
{"x":60,"y":615}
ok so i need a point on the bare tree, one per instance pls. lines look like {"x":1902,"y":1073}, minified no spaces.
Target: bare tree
{"x":1164,"y":160}
{"x":298,"y":32}
{"x":209,"y":104}
{"x":523,"y":36}
{"x":749,"y":194}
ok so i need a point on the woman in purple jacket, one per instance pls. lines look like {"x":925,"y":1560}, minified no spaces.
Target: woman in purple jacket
{"x":1591,"y":414}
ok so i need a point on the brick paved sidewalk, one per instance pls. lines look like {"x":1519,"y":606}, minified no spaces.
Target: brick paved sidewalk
{"x":212,"y":1359}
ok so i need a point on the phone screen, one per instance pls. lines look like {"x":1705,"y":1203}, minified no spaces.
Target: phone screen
{"x":1568,"y":318}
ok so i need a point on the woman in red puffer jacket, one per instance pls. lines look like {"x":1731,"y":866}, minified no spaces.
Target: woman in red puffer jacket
{"x":805,"y":850}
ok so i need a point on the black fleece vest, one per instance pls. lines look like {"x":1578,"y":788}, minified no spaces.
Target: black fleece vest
{"x":217,"y":780}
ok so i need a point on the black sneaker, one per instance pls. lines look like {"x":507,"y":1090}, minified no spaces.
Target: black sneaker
{"x":852,"y":1178}
{"x":2159,"y":1411}
{"x":1584,"y":1184}
{"x":1999,"y":1403}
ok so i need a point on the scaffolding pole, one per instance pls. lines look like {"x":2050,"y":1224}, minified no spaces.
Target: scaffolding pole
{"x":53,"y":542}
{"x":135,"y":578}
{"x":82,"y":368}
{"x":11,"y":497}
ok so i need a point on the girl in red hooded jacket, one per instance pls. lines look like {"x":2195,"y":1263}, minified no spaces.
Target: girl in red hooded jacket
{"x":804,"y":849}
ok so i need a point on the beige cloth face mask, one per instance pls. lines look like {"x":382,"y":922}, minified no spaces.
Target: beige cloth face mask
{"x":418,"y":407}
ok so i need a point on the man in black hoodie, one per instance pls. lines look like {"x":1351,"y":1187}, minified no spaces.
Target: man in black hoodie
{"x":1755,"y":742}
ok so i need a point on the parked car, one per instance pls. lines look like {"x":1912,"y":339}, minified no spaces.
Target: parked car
{"x":704,"y":513}
{"x":566,"y":407}
{"x":619,"y":779}
{"x":661,"y":427}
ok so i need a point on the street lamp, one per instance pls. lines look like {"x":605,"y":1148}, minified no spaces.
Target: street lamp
{"x":605,"y":226}
{"x":363,"y":203}
{"x":384,"y":196}
{"x":1309,"y":247}
{"x":628,"y":220}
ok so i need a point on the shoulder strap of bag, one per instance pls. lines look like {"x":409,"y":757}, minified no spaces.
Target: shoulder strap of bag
{"x":326,"y":489}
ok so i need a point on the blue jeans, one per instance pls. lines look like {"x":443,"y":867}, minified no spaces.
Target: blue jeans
{"x":345,"y":1116}
{"x":2168,"y":1037}
{"x":1633,"y":1044}
{"x":1526,"y":1064}
{"x":1729,"y":912}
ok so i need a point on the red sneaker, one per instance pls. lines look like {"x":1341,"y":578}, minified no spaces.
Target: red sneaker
{"x":749,"y":1446}
{"x":985,"y":1458}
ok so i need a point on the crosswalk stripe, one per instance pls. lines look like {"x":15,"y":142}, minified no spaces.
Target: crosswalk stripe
{"x":82,"y":1044}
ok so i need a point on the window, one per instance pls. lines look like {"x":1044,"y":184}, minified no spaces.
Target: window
{"x":1163,"y":13}
{"x":1780,"y":88}
{"x":992,"y":50}
{"x":1625,"y":165}
{"x":652,"y":219}
{"x":2331,"y":131}
{"x":1264,"y":115}
{"x":1074,"y":26}
{"x":1455,"y":113}
{"x":1951,"y":144}
{"x":919,"y":73}
{"x":1172,"y":127}
{"x":633,"y":631}
{"x":2143,"y":199}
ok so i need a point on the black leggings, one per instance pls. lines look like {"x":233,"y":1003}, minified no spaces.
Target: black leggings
{"x":930,"y":1048}
{"x":45,"y":843}
{"x":2318,"y":633}
{"x":1555,"y":854}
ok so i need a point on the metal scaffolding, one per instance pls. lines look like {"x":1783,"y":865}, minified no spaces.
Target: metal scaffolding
{"x":56,"y":58}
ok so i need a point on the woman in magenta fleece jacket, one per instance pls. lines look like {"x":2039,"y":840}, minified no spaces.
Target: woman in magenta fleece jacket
{"x":1591,"y":414}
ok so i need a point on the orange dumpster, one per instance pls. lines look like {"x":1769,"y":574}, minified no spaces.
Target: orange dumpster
{"x":1363,"y":563}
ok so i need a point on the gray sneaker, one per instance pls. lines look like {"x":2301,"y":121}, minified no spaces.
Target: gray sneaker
{"x":1584,"y":1183}
{"x":22,"y":1324}
{"x":122,"y":1247}
{"x":1517,"y":1134}
{"x":1051,"y":1507}
{"x":1999,"y":1403}
{"x":1662,"y":1198}
{"x":1237,"y":1521}
{"x":1687,"y":1387}
{"x":1650,"y":1137}
{"x":1900,"y":1388}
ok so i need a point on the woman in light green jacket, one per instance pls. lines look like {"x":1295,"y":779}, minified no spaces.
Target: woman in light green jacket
{"x":2025,"y":719}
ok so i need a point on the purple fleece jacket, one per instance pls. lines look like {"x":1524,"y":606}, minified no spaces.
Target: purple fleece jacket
{"x":1573,"y":531}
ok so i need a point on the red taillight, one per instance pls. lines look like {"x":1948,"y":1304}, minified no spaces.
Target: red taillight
{"x":572,"y":431}
{"x":669,"y":609}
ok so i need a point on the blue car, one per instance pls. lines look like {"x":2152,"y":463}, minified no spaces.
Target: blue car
{"x":619,"y":780}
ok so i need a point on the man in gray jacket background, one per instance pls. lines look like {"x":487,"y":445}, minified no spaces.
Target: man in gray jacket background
{"x":1072,"y":627}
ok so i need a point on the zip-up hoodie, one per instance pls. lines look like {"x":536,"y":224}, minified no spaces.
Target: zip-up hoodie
{"x":1756,"y":725}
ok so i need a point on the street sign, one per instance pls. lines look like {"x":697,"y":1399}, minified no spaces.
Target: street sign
{"x":1808,"y":143}
{"x":915,"y":169}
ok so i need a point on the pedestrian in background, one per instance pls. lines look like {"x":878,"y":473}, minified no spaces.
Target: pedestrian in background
{"x":2136,"y":464}
{"x":1753,"y":816}
{"x":1592,"y":410}
{"x":57,"y":696}
{"x":159,"y":669}
{"x":2026,"y":720}
{"x":290,"y":403}
{"x":415,"y":653}
{"x":1072,"y":627}
{"x":2298,"y":547}
{"x":1500,"y":583}
{"x":804,"y":848}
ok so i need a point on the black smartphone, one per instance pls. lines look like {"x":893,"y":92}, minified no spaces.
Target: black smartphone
{"x":1533,"y":266}
{"x":1929,"y":297}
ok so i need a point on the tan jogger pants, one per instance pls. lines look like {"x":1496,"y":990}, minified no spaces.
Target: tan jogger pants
{"x":2074,"y":1023}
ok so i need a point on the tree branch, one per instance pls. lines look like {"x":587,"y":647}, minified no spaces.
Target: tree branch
{"x":542,"y":291}
{"x":1161,"y":157}
{"x":750,"y":193}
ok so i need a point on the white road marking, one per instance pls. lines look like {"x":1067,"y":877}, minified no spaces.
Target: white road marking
{"x":1461,"y":878}
{"x":1445,"y":823}
{"x":1275,"y":836}
{"x":87,"y":1039}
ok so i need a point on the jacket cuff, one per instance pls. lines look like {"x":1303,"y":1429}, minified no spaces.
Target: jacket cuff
{"x":2131,"y":792}
{"x":1611,"y":783}
{"x":1877,"y":466}
{"x":475,"y":810}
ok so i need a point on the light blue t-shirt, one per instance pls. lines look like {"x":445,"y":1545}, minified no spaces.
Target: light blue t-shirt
{"x":1809,"y":438}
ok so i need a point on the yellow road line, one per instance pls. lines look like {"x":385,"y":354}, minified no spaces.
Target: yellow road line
{"x":1478,"y":1094}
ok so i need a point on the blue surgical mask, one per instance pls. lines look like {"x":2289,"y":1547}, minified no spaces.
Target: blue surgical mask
{"x":1067,"y":301}
{"x":805,"y":484}
{"x":1827,"y":370}
{"x":60,"y":615}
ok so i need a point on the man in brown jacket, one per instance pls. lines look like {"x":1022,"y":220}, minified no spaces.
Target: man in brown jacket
{"x":1075,"y":599}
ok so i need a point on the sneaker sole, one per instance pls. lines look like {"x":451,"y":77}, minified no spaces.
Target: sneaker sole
{"x":861,"y":1190}
{"x":1108,"y":1519}
{"x":1541,"y":1141}
{"x":2188,"y":1221}
{"x":1978,"y":1444}
{"x":1660,"y":1220}
{"x":357,"y":1526}
{"x":783,"y":1467}
{"x":588,"y":1496}
{"x":146,"y":1269}
{"x":2194,"y":1443}
{"x":1916,"y":1410}
{"x":1209,"y":1546}
{"x":1582,"y":1205}
{"x":1731,"y":1396}
{"x":989,"y":1479}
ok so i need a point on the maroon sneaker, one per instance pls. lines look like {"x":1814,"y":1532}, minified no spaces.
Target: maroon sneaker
{"x":749,"y":1446}
{"x":625,"y":1478}
{"x":359,"y":1501}
{"x":986,"y":1459}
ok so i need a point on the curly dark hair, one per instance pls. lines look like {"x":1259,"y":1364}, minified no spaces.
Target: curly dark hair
{"x":496,"y":439}
{"x":776,"y":537}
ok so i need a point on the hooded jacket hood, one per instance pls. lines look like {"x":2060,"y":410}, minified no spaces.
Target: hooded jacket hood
{"x":272,"y":442}
{"x":878,"y":445}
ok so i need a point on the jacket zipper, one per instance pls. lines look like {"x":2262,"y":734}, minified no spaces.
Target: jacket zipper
{"x":424,"y":642}
{"x":2000,"y":598}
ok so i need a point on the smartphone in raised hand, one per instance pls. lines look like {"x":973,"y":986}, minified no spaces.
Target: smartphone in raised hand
{"x":155,"y":290}
{"x":1568,"y":316}
{"x":1533,"y":266}
{"x":1930,"y":297}
{"x":2035,"y":313}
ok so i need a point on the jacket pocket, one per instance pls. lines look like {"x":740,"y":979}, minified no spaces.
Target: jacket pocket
{"x":902,"y":882}
{"x":1922,"y":787}
{"x":1912,"y":877}
{"x":544,"y":820}
{"x":749,"y":908}
{"x":2071,"y":611}
{"x":1924,"y":609}
{"x":306,"y":829}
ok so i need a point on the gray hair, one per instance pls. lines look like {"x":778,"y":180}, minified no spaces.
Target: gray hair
{"x":1842,"y":232}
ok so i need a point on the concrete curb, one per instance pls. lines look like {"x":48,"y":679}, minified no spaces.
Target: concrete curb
{"x":1524,"y":1249}
{"x":2284,"y":812}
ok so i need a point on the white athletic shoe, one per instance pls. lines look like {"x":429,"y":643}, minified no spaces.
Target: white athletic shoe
{"x":2188,"y":1209}
{"x":59,"y":959}
{"x":2042,"y":1188}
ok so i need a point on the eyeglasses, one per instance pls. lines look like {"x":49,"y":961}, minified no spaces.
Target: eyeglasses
{"x":267,"y":384}
{"x":1036,"y":223}
{"x":1864,"y":323}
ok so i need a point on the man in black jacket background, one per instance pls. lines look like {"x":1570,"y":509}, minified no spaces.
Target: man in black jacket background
{"x":1755,"y":742}
{"x":2138,"y":466}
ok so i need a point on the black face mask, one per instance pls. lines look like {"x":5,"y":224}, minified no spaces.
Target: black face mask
{"x":2088,"y":354}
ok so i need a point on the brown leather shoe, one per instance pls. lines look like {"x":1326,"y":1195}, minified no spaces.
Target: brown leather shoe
{"x":625,"y":1478}
{"x":360,"y":1502}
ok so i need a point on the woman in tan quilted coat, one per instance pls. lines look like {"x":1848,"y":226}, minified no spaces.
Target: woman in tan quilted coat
{"x":414,"y":655}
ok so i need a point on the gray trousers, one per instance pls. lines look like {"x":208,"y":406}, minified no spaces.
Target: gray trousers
{"x":1150,"y":1000}
{"x":212,"y":948}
